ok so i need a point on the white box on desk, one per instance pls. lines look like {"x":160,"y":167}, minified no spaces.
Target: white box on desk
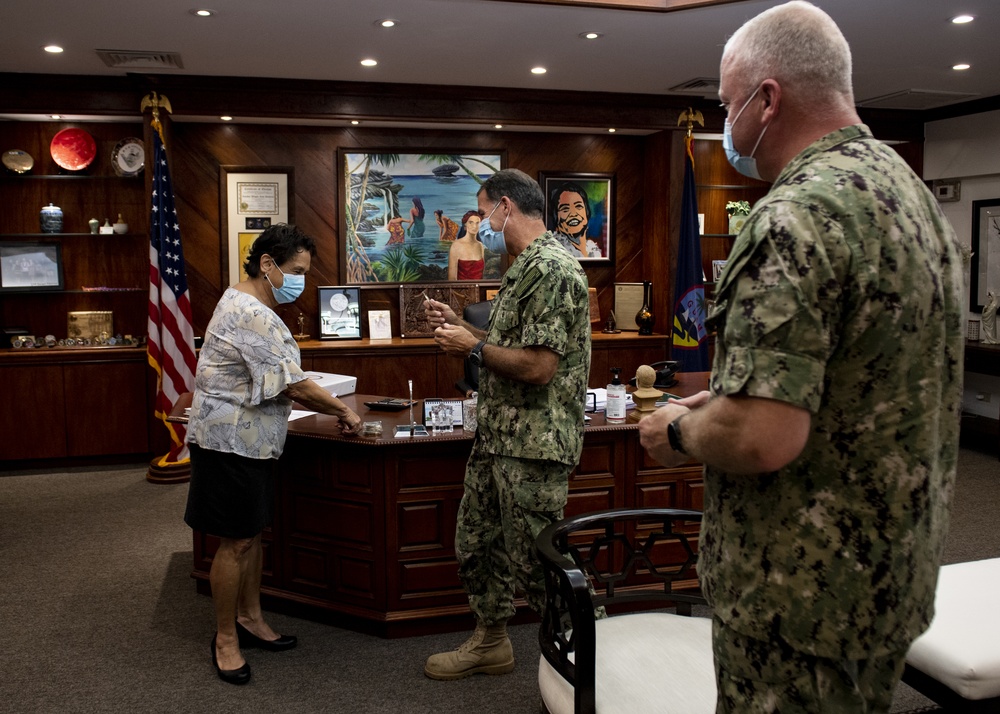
{"x":339,"y":385}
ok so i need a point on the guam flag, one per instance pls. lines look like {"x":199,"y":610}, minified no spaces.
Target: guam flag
{"x":689,"y":346}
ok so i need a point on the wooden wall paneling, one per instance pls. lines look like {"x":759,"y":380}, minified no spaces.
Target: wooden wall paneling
{"x":105,"y":408}
{"x":661,"y":208}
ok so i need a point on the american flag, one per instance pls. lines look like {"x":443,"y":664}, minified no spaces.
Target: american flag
{"x":171,"y":335}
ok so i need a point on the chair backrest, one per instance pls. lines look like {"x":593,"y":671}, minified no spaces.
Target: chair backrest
{"x":621,"y":560}
{"x":478,"y":315}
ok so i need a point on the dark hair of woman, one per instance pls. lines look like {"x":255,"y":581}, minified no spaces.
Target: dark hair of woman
{"x":419,"y":205}
{"x":281,"y":241}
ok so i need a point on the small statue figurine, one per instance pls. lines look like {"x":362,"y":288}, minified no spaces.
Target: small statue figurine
{"x":302,"y":336}
{"x":990,"y":319}
{"x":644,"y":395}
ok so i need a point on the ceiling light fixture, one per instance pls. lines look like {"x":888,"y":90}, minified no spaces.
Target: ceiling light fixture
{"x":202,"y":12}
{"x":55,"y":116}
{"x":590,"y":35}
{"x":386,"y":23}
{"x":612,"y":131}
{"x":961,"y":66}
{"x":962,"y":19}
{"x":538,"y":70}
{"x":53,"y":49}
{"x":226,"y":117}
{"x":498,"y":126}
{"x":368,"y":63}
{"x":355,"y":122}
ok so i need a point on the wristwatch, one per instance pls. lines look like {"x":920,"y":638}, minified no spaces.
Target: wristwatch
{"x":674,"y":435}
{"x":476,"y":355}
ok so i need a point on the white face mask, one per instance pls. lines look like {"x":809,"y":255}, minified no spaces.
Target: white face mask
{"x":746,"y":165}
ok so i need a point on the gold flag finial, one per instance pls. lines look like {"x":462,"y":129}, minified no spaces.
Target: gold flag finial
{"x":157,"y":102}
{"x":690,"y":117}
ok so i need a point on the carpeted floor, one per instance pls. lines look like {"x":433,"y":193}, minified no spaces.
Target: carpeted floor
{"x":99,"y":613}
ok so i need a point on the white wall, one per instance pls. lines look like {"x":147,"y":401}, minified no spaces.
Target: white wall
{"x":967,"y":148}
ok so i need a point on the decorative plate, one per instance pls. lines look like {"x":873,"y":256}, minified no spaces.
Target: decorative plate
{"x":73,"y":149}
{"x":339,"y":302}
{"x":20,"y":162}
{"x":128,"y":157}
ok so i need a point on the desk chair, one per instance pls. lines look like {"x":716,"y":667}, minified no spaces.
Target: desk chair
{"x":624,"y":560}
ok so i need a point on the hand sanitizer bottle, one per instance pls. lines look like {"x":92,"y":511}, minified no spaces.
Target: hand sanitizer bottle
{"x":614,"y":409}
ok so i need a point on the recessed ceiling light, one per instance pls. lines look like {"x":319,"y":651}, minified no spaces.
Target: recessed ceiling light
{"x":961,"y":66}
{"x":226,"y":117}
{"x":962,"y":19}
{"x":54,"y":49}
{"x":55,"y":116}
{"x":498,"y":126}
{"x":203,"y":12}
{"x":386,"y":23}
{"x":590,"y":35}
{"x":368,"y":63}
{"x":538,"y":70}
{"x":612,"y":131}
{"x":355,"y":122}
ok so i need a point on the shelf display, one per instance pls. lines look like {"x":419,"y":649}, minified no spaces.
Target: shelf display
{"x":18,"y":161}
{"x":128,"y":157}
{"x":73,"y":149}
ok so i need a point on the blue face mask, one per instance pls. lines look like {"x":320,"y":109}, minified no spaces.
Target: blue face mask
{"x":493,"y":240}
{"x":291,"y":287}
{"x":746,"y":165}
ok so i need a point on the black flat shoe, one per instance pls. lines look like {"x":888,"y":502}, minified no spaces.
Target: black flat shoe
{"x":231,"y":676}
{"x":249,"y":639}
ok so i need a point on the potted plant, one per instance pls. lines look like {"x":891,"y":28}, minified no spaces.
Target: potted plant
{"x":738,"y":212}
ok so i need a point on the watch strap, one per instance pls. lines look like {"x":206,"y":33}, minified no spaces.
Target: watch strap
{"x":674,"y":435}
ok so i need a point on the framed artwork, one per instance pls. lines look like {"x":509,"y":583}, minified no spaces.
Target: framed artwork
{"x":985,"y":273}
{"x":30,"y":267}
{"x":452,"y":408}
{"x":579,"y":210}
{"x":253,"y":198}
{"x":404,"y":213}
{"x":412,"y":322}
{"x":339,"y":312}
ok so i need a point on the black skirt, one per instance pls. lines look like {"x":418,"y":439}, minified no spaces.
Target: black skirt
{"x":230,"y":496}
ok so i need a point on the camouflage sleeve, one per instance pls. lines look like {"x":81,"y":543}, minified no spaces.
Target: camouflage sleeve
{"x":545,"y":293}
{"x":782,"y":307}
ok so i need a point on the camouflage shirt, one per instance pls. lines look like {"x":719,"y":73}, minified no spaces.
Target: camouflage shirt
{"x":842,"y":295}
{"x":542,"y":302}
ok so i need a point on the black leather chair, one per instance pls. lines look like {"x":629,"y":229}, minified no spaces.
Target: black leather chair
{"x":478,"y":315}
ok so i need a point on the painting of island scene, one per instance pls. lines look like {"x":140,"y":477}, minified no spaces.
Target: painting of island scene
{"x":403,"y":213}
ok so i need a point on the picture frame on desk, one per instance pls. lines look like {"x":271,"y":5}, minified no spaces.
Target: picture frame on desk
{"x":579,"y":210}
{"x":402,"y":211}
{"x":985,"y":262}
{"x":339,"y":312}
{"x":30,"y":267}
{"x":253,"y":199}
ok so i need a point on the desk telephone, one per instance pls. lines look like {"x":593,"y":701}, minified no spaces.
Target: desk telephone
{"x":665,"y":372}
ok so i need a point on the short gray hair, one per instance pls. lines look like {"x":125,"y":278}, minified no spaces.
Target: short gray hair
{"x":521,"y":189}
{"x":798,"y":45}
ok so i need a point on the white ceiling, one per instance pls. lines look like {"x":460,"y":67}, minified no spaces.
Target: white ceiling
{"x":898,"y":45}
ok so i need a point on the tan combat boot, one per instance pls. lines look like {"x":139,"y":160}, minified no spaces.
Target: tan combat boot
{"x":488,"y":651}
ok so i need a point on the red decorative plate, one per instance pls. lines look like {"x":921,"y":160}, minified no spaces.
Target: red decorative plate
{"x":73,"y":149}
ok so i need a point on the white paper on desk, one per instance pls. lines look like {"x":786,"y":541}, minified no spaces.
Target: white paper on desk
{"x":602,"y":399}
{"x":298,"y":414}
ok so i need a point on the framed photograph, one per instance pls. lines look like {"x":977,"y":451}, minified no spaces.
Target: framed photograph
{"x":30,"y":267}
{"x":579,"y":210}
{"x":339,"y":312}
{"x":379,"y":326}
{"x":985,"y":272}
{"x":628,"y":302}
{"x":453,"y":407}
{"x":253,"y":198}
{"x":404,"y":214}
{"x":717,"y":267}
{"x":947,"y":190}
{"x":412,"y":321}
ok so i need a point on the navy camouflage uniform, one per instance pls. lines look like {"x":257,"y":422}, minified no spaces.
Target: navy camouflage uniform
{"x":843,"y":296}
{"x":530,"y":436}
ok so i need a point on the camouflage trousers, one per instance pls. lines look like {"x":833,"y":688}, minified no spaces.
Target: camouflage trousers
{"x":506,"y":504}
{"x":756,"y":676}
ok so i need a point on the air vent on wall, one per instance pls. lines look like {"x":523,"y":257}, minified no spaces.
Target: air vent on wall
{"x":698,"y":85}
{"x":141,"y":59}
{"x":916,"y":99}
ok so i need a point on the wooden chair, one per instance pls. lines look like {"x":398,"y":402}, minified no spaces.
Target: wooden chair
{"x":624,"y":562}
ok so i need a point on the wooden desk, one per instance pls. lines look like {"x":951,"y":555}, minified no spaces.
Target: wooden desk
{"x":364,"y":527}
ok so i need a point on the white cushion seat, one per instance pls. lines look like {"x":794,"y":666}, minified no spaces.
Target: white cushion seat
{"x":648,"y":662}
{"x":961,"y":648}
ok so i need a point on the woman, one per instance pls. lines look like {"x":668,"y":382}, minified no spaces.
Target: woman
{"x":248,"y":375}
{"x":448,"y":228}
{"x":466,"y":257}
{"x":397,"y":234}
{"x":416,"y":229}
